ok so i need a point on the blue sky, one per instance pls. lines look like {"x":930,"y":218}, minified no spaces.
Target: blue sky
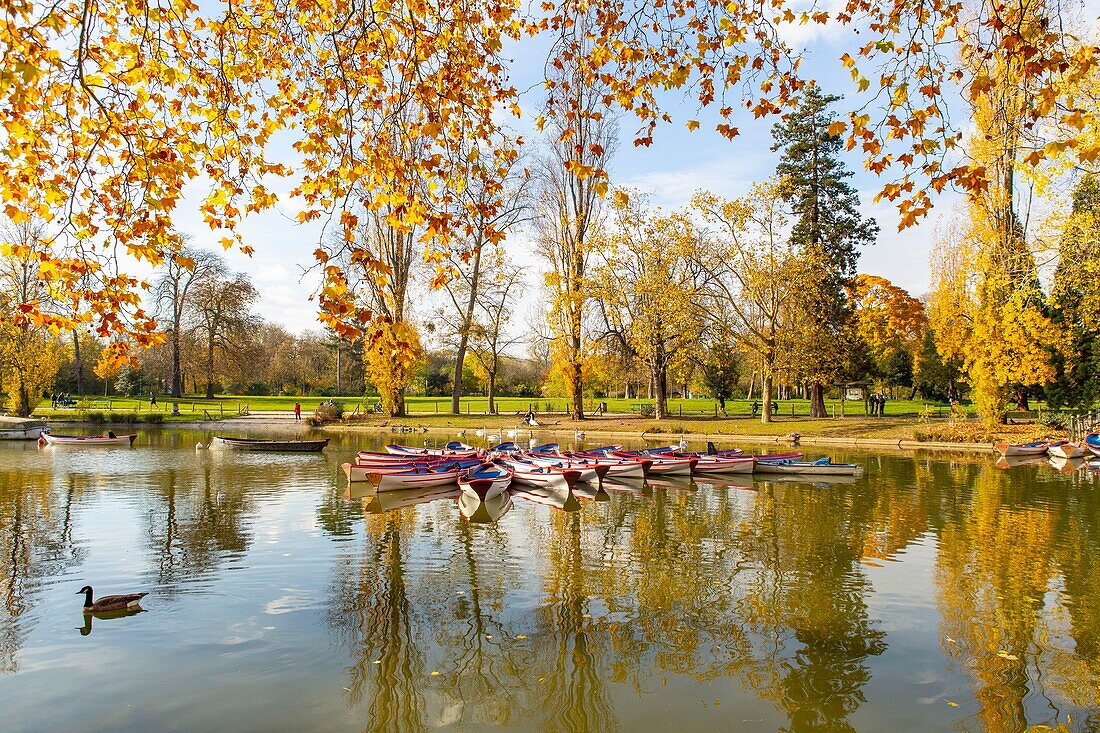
{"x":677,"y":164}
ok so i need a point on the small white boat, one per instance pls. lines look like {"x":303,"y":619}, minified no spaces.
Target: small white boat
{"x":663,"y":464}
{"x":412,"y":477}
{"x":87,"y":441}
{"x":589,"y":470}
{"x":1037,"y":448}
{"x":451,"y":449}
{"x":820,"y":467}
{"x":485,"y":481}
{"x":17,"y":428}
{"x":1066,"y":449}
{"x":530,"y":474}
{"x":1092,"y":442}
{"x":724,"y":464}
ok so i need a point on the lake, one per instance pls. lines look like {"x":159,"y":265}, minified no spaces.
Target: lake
{"x":936,"y":592}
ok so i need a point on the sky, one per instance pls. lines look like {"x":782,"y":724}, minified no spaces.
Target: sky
{"x":677,"y":164}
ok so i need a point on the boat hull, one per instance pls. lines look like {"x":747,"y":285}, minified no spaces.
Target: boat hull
{"x":1027,"y":449}
{"x":89,"y":441}
{"x":1066,"y":450}
{"x":810,"y":469}
{"x":270,"y":446}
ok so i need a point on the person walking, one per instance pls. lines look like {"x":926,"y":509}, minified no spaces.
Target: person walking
{"x":152,"y":399}
{"x":297,"y":411}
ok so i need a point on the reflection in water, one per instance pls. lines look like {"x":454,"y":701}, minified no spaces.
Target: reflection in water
{"x":36,"y":542}
{"x":106,"y":616}
{"x":542,"y":610}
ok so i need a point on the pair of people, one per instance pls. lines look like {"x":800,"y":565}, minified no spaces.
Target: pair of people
{"x":878,"y":404}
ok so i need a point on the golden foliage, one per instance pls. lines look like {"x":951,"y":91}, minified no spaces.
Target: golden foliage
{"x":391,"y":356}
{"x":887,"y":317}
{"x":29,"y":360}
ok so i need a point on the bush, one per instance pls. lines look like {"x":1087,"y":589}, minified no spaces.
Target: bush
{"x":96,"y":417}
{"x":257,"y":389}
{"x":153,"y":418}
{"x":122,"y":417}
{"x":647,"y":410}
{"x":969,"y":432}
{"x":1054,"y":420}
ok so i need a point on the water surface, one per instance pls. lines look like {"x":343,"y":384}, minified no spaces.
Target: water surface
{"x":936,"y":592}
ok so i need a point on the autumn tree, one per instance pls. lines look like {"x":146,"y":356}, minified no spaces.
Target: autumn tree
{"x":389,"y":362}
{"x":890,"y":324}
{"x":489,"y":328}
{"x":1075,"y":302}
{"x":30,"y":354}
{"x":650,"y":287}
{"x":180,"y":273}
{"x":568,"y":200}
{"x":222,"y":319}
{"x":828,"y":231}
{"x":495,"y":201}
{"x":105,"y":147}
{"x":756,"y":276}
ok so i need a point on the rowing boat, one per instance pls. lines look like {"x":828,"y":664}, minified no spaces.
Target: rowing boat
{"x":662,"y":464}
{"x":1037,"y":448}
{"x":1066,"y":449}
{"x":485,"y":481}
{"x":452,"y":449}
{"x":1092,"y":442}
{"x":820,"y":467}
{"x":541,"y":476}
{"x":270,"y":446}
{"x":405,"y":477}
{"x":87,"y":441}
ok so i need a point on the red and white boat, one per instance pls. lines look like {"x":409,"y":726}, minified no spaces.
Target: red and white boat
{"x":451,"y":450}
{"x":389,"y":478}
{"x":87,"y":441}
{"x":486,"y":480}
{"x":1037,"y":448}
{"x":590,"y":470}
{"x":663,"y":463}
{"x":531,"y":474}
{"x":1066,"y":449}
{"x":724,"y":464}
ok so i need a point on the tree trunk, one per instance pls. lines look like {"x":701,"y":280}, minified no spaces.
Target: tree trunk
{"x":399,"y":404}
{"x":576,"y":378}
{"x":210,"y":369}
{"x":660,"y":384}
{"x":766,"y":393}
{"x":177,"y":370}
{"x":817,"y":401}
{"x":492,"y":392}
{"x":339,"y":370}
{"x":1021,"y":401}
{"x":78,"y":364}
{"x":464,"y":335}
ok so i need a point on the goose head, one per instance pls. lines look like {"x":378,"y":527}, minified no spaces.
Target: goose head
{"x":86,"y":591}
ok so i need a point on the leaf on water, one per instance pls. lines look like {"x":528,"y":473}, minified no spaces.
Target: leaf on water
{"x":950,"y":640}
{"x":435,"y":674}
{"x":377,"y":661}
{"x":521,"y":636}
{"x":952,"y":704}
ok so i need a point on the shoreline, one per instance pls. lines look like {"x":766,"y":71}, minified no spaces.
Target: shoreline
{"x":277,"y":421}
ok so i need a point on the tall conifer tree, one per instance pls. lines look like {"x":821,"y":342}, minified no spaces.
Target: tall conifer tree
{"x":828,"y":230}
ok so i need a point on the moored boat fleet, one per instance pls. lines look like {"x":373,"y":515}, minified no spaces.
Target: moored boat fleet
{"x":488,"y":473}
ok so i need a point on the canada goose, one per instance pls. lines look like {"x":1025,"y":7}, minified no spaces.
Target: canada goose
{"x":109,"y":603}
{"x":579,"y":435}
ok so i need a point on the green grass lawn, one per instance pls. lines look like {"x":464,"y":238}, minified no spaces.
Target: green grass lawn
{"x":194,"y":407}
